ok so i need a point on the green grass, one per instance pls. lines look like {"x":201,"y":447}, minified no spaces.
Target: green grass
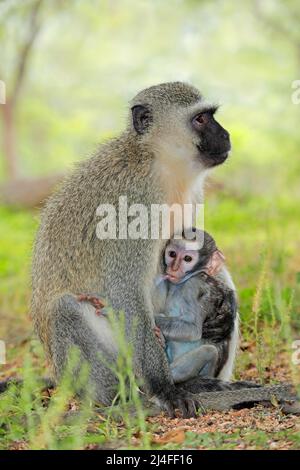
{"x":64,"y":420}
{"x":17,"y":230}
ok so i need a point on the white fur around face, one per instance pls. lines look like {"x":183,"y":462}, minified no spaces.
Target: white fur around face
{"x":178,"y":163}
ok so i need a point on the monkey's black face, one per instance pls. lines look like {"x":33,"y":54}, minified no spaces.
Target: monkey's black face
{"x":214,"y":143}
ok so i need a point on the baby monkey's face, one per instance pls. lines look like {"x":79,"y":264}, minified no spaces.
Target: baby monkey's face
{"x":179,"y":261}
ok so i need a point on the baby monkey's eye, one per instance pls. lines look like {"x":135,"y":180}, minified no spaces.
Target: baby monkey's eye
{"x":172,"y":254}
{"x":188,"y":258}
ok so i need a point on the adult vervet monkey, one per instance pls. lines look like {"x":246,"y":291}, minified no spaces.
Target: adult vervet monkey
{"x":171,"y":142}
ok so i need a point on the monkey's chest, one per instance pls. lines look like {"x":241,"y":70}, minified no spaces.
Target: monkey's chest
{"x":179,"y":303}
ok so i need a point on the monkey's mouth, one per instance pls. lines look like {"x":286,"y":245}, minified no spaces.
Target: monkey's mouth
{"x":171,"y":278}
{"x":211,"y":159}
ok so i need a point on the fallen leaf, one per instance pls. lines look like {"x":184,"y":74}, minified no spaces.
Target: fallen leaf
{"x":176,"y":435}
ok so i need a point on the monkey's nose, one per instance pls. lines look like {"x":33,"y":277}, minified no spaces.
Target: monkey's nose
{"x":176,"y":265}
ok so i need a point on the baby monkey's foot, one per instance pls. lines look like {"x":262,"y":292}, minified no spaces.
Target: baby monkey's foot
{"x":94,"y":301}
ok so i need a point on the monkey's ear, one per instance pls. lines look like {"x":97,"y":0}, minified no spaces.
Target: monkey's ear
{"x":141,"y":118}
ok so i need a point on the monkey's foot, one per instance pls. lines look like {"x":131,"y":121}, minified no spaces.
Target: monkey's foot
{"x":94,"y":301}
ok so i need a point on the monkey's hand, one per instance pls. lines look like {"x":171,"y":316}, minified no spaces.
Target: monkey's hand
{"x":215,"y":263}
{"x":94,"y":301}
{"x":160,"y":337}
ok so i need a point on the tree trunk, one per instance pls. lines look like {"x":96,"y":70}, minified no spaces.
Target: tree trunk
{"x":28,"y":192}
{"x":9,"y":140}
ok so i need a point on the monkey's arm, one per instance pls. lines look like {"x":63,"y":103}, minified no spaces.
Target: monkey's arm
{"x":217,"y":328}
{"x":178,"y":330}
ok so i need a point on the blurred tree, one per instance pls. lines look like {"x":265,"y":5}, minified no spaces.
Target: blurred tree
{"x":283,"y":20}
{"x":91,"y":57}
{"x":31,"y":23}
{"x":20,"y":26}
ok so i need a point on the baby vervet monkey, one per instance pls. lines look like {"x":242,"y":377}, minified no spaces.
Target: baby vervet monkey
{"x":186,"y":295}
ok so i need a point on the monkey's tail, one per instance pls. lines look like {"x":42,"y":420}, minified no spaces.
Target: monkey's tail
{"x":226,"y":399}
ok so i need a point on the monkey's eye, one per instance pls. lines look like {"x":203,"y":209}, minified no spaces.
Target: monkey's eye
{"x":202,"y":118}
{"x":172,"y":254}
{"x":188,"y":258}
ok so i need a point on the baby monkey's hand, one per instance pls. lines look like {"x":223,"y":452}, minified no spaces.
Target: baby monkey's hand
{"x":95,"y":301}
{"x":215,"y":263}
{"x":160,"y":336}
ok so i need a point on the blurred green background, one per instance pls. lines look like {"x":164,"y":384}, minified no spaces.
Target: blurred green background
{"x":70,"y":68}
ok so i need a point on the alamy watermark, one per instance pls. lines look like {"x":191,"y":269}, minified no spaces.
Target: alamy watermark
{"x":157,"y":221}
{"x":2,"y":92}
{"x":2,"y":352}
{"x":296,"y":94}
